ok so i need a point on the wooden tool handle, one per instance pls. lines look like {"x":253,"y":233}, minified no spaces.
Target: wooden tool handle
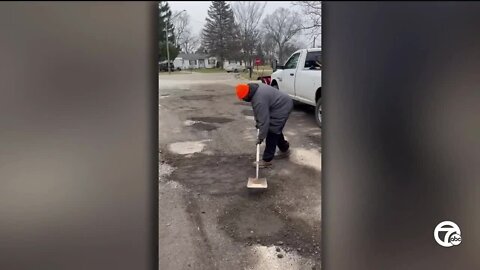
{"x":258,"y":151}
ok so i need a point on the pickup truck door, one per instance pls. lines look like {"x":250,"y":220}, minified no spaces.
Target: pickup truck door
{"x":308,"y":78}
{"x":288,"y":75}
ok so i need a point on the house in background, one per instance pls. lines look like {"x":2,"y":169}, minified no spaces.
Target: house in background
{"x":198,"y":60}
{"x":194,"y":60}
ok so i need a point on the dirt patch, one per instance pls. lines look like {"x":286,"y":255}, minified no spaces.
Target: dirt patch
{"x":247,"y":112}
{"x":198,"y":97}
{"x":209,"y":119}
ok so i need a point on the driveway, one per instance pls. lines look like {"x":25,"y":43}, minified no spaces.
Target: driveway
{"x":208,"y":219}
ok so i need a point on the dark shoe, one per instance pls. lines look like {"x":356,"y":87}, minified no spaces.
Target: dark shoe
{"x":262,"y":164}
{"x":281,"y":154}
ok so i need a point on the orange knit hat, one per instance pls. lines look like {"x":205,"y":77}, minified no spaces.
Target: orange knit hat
{"x":242,"y":90}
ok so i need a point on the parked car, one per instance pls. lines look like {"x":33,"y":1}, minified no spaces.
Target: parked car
{"x":234,"y":68}
{"x":301,"y":79}
{"x":162,"y":66}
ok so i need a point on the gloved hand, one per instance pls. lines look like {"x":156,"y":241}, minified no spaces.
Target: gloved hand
{"x":259,"y":141}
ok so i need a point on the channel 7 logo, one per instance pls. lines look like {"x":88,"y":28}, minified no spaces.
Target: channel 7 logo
{"x":452,"y":235}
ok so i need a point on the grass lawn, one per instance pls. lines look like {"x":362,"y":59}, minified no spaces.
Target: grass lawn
{"x":209,"y":70}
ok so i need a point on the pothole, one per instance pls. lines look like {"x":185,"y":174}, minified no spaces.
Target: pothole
{"x":200,"y":125}
{"x":213,"y":174}
{"x":204,"y":126}
{"x":252,"y":222}
{"x":251,"y":219}
{"x":262,"y":222}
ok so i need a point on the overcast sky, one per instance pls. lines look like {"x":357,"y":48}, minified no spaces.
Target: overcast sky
{"x":198,"y":13}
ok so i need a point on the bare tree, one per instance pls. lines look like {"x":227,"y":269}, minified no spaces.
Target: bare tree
{"x":181,"y":22}
{"x":313,"y":13}
{"x":248,"y":15}
{"x":283,"y":25}
{"x":184,"y":38}
{"x":190,"y":44}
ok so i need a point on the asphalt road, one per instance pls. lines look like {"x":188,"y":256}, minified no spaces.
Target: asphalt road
{"x":208,"y":219}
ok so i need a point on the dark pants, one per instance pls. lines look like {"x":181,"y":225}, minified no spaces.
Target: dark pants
{"x":273,"y":140}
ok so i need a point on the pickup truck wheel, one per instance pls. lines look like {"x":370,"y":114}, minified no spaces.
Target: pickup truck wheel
{"x":318,"y":112}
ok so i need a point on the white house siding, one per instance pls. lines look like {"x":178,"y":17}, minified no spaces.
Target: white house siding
{"x":178,"y":62}
{"x":186,"y":62}
{"x":211,"y":62}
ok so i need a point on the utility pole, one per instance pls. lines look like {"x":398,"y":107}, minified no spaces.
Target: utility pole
{"x":168,"y":51}
{"x":314,"y":41}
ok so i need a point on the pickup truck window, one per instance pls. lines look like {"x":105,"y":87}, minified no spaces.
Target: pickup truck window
{"x":292,"y":62}
{"x":313,"y":60}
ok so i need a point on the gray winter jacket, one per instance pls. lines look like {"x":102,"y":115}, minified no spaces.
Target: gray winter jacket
{"x":271,"y":108}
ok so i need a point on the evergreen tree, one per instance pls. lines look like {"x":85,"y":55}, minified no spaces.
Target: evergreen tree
{"x":165,"y":15}
{"x":219,"y":35}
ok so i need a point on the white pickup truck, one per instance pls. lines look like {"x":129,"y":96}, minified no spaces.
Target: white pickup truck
{"x":301,"y":78}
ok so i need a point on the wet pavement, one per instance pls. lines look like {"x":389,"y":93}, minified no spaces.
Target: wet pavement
{"x":208,"y":219}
